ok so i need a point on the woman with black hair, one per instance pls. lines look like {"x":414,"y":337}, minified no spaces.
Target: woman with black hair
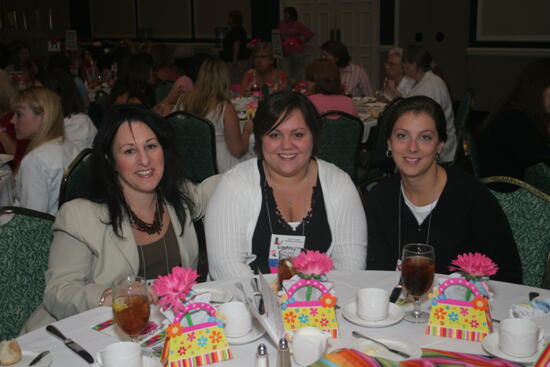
{"x":137,"y":218}
{"x":79,"y":128}
{"x":286,"y":197}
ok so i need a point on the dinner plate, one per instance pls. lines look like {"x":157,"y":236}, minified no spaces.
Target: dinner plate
{"x":28,"y":356}
{"x":218,"y":294}
{"x":395,"y":315}
{"x":255,"y":333}
{"x":5,"y":158}
{"x":375,"y":350}
{"x":146,"y":362}
{"x":490,"y":344}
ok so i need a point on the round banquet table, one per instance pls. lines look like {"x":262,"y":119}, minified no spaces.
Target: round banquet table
{"x":346,"y":284}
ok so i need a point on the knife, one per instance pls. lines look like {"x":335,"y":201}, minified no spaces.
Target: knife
{"x":70,"y":344}
{"x":39,"y":357}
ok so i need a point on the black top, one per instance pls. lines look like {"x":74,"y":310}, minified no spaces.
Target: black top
{"x":466,"y":218}
{"x":160,"y":256}
{"x":511,"y":144}
{"x":237,"y":33}
{"x":314,"y":226}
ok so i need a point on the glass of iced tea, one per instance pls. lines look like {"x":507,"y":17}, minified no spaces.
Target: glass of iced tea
{"x":131,"y":306}
{"x":417,"y":272}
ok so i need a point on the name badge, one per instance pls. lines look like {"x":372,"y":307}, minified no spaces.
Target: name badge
{"x":282,"y":242}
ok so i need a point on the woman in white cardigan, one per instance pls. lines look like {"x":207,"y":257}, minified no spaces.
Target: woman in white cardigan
{"x":286,"y":198}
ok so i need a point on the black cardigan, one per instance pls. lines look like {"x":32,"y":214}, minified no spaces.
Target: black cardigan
{"x":467,"y":218}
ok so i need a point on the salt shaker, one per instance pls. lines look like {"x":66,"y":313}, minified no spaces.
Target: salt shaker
{"x":283,"y":355}
{"x":262,"y":358}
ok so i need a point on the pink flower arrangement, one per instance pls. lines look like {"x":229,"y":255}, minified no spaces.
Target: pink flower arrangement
{"x":253,"y":43}
{"x":312,"y":263}
{"x":474,"y":264}
{"x":174,"y":288}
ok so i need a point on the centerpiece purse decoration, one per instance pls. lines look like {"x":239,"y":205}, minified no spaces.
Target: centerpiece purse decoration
{"x":460,"y":319}
{"x":311,"y":267}
{"x":195,"y":345}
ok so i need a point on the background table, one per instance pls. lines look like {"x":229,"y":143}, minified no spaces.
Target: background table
{"x":346,"y":285}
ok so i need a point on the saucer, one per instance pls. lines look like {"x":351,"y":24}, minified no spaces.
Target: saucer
{"x":255,"y":333}
{"x":146,"y":362}
{"x":395,"y":314}
{"x":490,"y":344}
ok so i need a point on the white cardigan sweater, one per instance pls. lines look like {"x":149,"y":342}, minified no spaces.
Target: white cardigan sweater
{"x":233,"y":212}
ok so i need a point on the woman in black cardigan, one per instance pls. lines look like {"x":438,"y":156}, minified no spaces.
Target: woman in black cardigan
{"x":428,"y":203}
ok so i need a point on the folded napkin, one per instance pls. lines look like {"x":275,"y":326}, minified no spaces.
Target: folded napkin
{"x":430,"y":358}
{"x":527,"y":310}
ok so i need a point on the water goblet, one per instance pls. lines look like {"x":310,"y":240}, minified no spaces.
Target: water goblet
{"x":417,"y":272}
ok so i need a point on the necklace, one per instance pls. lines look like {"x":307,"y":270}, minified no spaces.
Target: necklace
{"x":155,"y":227}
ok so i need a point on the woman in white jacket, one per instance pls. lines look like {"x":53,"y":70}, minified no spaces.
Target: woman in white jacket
{"x":286,"y":198}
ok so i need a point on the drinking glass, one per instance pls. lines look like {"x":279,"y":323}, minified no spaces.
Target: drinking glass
{"x":131,"y":306}
{"x":417,"y":271}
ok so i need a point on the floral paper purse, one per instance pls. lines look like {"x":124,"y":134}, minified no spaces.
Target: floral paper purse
{"x":452,"y":318}
{"x":319,"y":313}
{"x":195,"y":345}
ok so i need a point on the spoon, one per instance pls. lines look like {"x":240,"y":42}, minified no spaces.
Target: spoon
{"x":398,"y":352}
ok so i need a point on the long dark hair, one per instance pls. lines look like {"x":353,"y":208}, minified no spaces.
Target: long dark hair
{"x":62,"y":83}
{"x":105,"y":187}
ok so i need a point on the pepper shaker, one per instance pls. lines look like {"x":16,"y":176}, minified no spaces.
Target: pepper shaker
{"x":283,"y":355}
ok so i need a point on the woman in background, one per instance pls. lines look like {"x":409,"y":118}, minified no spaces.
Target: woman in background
{"x":354,"y":78}
{"x":8,"y":143}
{"x":294,"y":35}
{"x":264,"y":72}
{"x":326,"y":89}
{"x":516,"y":134}
{"x":39,"y":117}
{"x":79,"y":128}
{"x":417,"y":64}
{"x":209,"y":99}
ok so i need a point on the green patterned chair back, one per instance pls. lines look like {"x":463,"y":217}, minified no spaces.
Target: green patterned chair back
{"x":196,"y":145}
{"x":528,"y":212}
{"x":472,"y":153}
{"x":341,"y":136}
{"x":462,"y":115}
{"x":162,"y":89}
{"x":76,"y":179}
{"x":539,"y":177}
{"x":24,"y":247}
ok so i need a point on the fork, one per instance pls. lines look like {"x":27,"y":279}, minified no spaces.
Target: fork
{"x":398,"y":352}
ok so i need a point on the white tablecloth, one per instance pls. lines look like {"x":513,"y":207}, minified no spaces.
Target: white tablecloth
{"x":345,"y":283}
{"x":6,"y":186}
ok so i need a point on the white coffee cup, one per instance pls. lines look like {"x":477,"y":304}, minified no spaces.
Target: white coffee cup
{"x":237,"y":319}
{"x":120,"y":354}
{"x":372,"y":304}
{"x":519,"y":337}
{"x":308,"y":345}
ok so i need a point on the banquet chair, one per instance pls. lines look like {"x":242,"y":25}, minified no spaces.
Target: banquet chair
{"x":528,"y":212}
{"x":75,"y":182}
{"x":461,"y":117}
{"x":196,"y":145}
{"x":539,"y":176}
{"x":161,"y":90}
{"x":340,"y":140}
{"x":472,"y":153}
{"x":24,"y":247}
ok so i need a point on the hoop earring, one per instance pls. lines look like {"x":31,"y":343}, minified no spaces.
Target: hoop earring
{"x":388,"y":153}
{"x":438,"y":156}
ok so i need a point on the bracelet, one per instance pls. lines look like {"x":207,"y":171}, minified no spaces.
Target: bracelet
{"x":105,"y":294}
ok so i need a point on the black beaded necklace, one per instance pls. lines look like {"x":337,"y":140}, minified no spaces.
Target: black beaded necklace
{"x":155,"y":227}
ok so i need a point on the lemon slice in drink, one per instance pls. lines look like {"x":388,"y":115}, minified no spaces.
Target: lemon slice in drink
{"x":119,"y":304}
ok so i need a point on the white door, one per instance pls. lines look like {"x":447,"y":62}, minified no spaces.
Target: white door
{"x":356,"y":22}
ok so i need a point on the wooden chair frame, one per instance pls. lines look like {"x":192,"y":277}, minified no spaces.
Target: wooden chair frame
{"x":68,"y":171}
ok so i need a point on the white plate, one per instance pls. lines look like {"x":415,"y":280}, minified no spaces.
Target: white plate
{"x":27,"y":357}
{"x":146,"y":362}
{"x":219,"y":294}
{"x":255,"y":333}
{"x":395,"y":315}
{"x":490,"y":344}
{"x":375,"y":350}
{"x":5,"y":158}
